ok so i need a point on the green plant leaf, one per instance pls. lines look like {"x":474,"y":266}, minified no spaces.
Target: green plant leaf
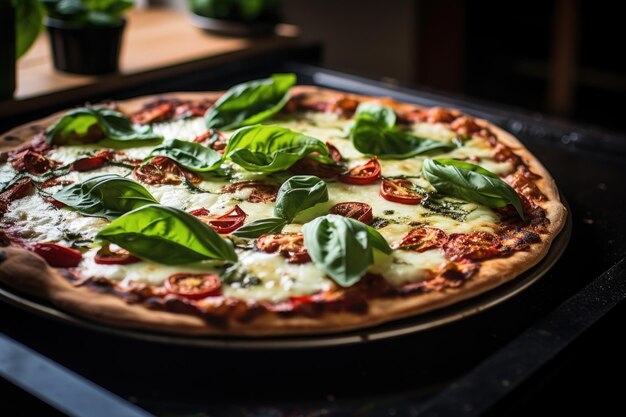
{"x":191,"y":155}
{"x":105,"y":126}
{"x":342,"y":247}
{"x":373,"y":138}
{"x":377,"y":113}
{"x":263,"y":148}
{"x":108,"y":196}
{"x":260,"y":227}
{"x":28,"y":23}
{"x":250,"y":103}
{"x":470,"y":182}
{"x":167,"y":235}
{"x":299,"y":193}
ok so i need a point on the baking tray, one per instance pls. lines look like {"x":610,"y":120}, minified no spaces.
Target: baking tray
{"x":392,"y":329}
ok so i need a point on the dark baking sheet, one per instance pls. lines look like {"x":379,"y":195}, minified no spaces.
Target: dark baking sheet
{"x":426,"y":373}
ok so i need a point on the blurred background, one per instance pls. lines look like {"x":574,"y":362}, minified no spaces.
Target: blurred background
{"x":563,"y":57}
{"x":559,"y":57}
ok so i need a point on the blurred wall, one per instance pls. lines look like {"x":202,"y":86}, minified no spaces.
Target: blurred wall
{"x":367,"y":37}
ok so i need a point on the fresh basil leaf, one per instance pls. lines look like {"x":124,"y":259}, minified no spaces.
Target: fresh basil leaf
{"x":105,"y":126}
{"x":28,"y":23}
{"x":191,"y":155}
{"x":260,"y":227}
{"x":470,"y":182}
{"x":263,"y":148}
{"x":108,"y":196}
{"x":250,"y":103}
{"x":383,"y":115}
{"x":373,"y":138}
{"x":167,"y":235}
{"x":342,"y":247}
{"x":299,"y":193}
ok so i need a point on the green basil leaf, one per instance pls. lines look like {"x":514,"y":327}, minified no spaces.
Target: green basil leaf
{"x":371,"y":137}
{"x":167,"y":235}
{"x":191,"y":155}
{"x":260,"y":227}
{"x":28,"y":23}
{"x":107,"y":196}
{"x":263,"y":148}
{"x":383,"y":115}
{"x":298,"y":193}
{"x":250,"y":103}
{"x":470,"y":182}
{"x":105,"y":126}
{"x":342,"y":247}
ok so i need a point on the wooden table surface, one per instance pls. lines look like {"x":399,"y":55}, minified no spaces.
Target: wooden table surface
{"x":157,"y":43}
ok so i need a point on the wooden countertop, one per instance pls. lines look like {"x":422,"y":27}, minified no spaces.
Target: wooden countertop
{"x":157,"y":43}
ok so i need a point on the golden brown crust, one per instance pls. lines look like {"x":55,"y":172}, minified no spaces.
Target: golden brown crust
{"x":28,"y":272}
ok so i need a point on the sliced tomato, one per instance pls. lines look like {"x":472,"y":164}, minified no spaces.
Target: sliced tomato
{"x":213,"y":139}
{"x":289,"y":245}
{"x":106,"y":256}
{"x":363,"y":174}
{"x":54,"y":202}
{"x":163,"y":170}
{"x":423,"y":239}
{"x":156,"y":112}
{"x":194,"y":286}
{"x":358,"y":211}
{"x":311,"y":166}
{"x":471,"y":246}
{"x":334,"y":153}
{"x":92,"y":162}
{"x":20,"y":189}
{"x":261,"y":192}
{"x":400,"y":191}
{"x":57,"y":255}
{"x":226,"y":223}
{"x":33,"y":162}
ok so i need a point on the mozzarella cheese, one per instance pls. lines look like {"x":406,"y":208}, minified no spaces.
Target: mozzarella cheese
{"x":274,"y":278}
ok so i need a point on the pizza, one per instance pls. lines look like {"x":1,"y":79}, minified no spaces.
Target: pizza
{"x":268,"y":209}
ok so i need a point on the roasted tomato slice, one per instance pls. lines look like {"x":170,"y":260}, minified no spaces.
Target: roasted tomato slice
{"x":213,"y":139}
{"x":423,"y":239}
{"x":57,"y":255}
{"x":33,"y":162}
{"x":194,"y":286}
{"x":363,"y":174}
{"x":472,"y":246}
{"x":289,"y":245}
{"x":163,"y":170}
{"x":400,"y":191}
{"x":20,"y":189}
{"x":334,"y":153}
{"x":311,"y":166}
{"x":358,"y":211}
{"x":154,"y":112}
{"x":92,"y":162}
{"x":106,"y":256}
{"x":226,"y":223}
{"x":261,"y":192}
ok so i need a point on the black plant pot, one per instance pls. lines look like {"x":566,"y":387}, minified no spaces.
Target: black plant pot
{"x":81,"y":49}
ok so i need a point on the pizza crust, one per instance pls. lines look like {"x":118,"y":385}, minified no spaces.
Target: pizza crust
{"x":29,"y":273}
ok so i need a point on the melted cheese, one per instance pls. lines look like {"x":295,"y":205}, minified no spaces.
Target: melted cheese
{"x":276,"y":279}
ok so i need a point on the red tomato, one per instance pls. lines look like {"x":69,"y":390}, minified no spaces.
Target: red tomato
{"x":358,"y":211}
{"x":226,"y":223}
{"x":423,"y":239}
{"x":106,"y":256}
{"x":194,"y":286}
{"x":261,"y":192}
{"x":20,"y":189}
{"x":472,"y":246}
{"x":213,"y":139}
{"x":163,"y":170}
{"x":289,"y":245}
{"x":362,"y":174}
{"x":33,"y":162}
{"x":57,"y":255}
{"x":310,"y":166}
{"x":153,"y":113}
{"x":91,"y":163}
{"x":400,"y":191}
{"x":334,"y":153}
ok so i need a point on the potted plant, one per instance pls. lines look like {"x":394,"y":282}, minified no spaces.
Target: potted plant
{"x":236,"y":17}
{"x":85,"y":35}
